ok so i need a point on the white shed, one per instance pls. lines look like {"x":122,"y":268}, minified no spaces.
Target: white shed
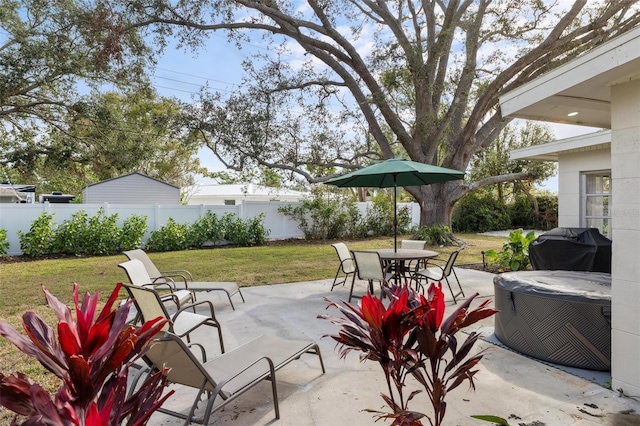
{"x":215,"y":195}
{"x":133,"y":188}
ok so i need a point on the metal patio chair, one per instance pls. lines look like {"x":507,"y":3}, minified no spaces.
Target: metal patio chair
{"x":437,"y":273}
{"x":346,"y":266}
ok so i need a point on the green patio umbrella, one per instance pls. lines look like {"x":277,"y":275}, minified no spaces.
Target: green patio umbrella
{"x":393,"y":173}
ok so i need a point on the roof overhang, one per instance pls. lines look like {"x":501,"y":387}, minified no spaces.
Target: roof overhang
{"x":581,"y":85}
{"x":550,"y":151}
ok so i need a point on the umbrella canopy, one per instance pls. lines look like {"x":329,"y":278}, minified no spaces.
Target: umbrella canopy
{"x":393,"y":173}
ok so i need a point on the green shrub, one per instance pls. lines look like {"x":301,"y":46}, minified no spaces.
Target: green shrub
{"x":133,"y":229}
{"x":522,"y":213}
{"x":72,"y":235}
{"x":515,"y":251}
{"x":103,"y":234}
{"x":41,"y":237}
{"x":548,"y":208}
{"x":100,"y":234}
{"x":257,"y":232}
{"x":440,"y":235}
{"x":4,"y":244}
{"x":171,"y":237}
{"x":207,"y":228}
{"x":325,"y":216}
{"x":379,"y":217}
{"x":480,"y":212}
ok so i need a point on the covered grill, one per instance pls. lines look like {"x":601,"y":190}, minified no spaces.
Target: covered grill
{"x":571,"y":249}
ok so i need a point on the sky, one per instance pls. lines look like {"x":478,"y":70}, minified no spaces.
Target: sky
{"x":182,"y":74}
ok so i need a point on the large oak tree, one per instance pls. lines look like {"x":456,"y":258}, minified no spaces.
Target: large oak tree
{"x":425,"y":75}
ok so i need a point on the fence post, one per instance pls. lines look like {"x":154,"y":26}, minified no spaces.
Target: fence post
{"x":156,"y":216}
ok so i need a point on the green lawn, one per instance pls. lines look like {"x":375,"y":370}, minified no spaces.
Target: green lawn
{"x":21,"y":282}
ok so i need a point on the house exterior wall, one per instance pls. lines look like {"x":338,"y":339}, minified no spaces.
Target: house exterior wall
{"x":625,"y":267}
{"x":219,"y":200}
{"x":131,"y":189}
{"x":570,"y":166}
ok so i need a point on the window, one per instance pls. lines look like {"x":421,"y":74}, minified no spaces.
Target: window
{"x":596,"y":197}
{"x":229,"y":202}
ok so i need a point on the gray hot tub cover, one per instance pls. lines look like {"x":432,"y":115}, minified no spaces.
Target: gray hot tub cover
{"x":577,"y":286}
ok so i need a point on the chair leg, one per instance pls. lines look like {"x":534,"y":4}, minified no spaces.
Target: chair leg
{"x":461,"y":292}
{"x":451,"y":290}
{"x":353,"y":282}
{"x":335,"y":279}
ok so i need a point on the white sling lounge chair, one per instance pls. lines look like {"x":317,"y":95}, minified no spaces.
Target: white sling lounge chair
{"x":138,"y":275}
{"x":183,"y":322}
{"x":182,"y":278}
{"x":228,"y":375}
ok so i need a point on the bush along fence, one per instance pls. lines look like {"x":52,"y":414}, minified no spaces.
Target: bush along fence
{"x":101,"y":235}
{"x":16,"y":218}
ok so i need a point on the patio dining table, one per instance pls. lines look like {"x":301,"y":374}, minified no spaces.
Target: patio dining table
{"x":400,"y":257}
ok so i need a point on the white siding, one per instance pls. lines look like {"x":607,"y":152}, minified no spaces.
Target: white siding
{"x":570,"y":166}
{"x":131,"y":189}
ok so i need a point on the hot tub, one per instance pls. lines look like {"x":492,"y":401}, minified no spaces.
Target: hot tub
{"x":562,"y":317}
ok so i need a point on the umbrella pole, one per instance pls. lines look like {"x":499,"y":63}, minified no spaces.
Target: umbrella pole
{"x":395,"y":217}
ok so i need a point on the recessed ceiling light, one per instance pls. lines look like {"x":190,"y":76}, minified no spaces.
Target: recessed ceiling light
{"x":572,"y":114}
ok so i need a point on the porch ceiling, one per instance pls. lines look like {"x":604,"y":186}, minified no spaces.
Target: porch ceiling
{"x":581,"y":85}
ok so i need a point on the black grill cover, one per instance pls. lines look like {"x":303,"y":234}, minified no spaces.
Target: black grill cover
{"x":571,"y":249}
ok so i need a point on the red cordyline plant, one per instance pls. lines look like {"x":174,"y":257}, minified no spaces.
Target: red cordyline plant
{"x":410,"y":338}
{"x":91,"y":356}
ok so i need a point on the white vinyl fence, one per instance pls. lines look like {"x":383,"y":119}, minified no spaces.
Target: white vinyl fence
{"x":18,"y":217}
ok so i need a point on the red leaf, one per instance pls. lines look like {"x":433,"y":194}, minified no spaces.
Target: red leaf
{"x":68,"y":342}
{"x":15,"y":393}
{"x":372,"y":310}
{"x":80,"y":378}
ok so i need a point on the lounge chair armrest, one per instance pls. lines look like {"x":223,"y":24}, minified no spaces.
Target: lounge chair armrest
{"x":178,"y":272}
{"x":169,"y":283}
{"x":173,"y":277}
{"x":203,"y":352}
{"x":190,"y":306}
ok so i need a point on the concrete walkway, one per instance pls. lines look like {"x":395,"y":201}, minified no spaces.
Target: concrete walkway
{"x":525,"y":391}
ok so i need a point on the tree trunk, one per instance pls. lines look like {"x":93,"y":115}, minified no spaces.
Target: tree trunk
{"x":436,"y":203}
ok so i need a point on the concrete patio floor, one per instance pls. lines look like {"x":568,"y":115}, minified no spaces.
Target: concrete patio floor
{"x":523,"y":390}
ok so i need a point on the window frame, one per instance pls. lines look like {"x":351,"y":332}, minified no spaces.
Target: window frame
{"x":584,"y":197}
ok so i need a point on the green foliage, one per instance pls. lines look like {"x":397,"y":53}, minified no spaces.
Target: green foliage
{"x":333,"y":216}
{"x":41,"y":237}
{"x":522,"y":213}
{"x":170,"y":237}
{"x":133,"y":229}
{"x":480,"y":212}
{"x":379,"y":217}
{"x":440,"y":235}
{"x":492,"y":419}
{"x":515,"y":251}
{"x":325,"y":216}
{"x":4,"y":244}
{"x":244,"y":233}
{"x":495,"y":160}
{"x":99,"y":235}
{"x":208,"y":228}
{"x":72,"y":235}
{"x":548,"y":208}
